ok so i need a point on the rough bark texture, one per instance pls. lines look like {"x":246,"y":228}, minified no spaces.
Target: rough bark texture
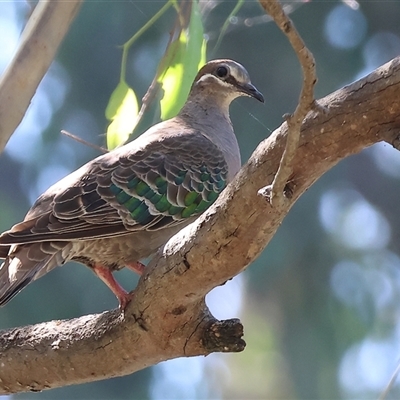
{"x":168,"y":317}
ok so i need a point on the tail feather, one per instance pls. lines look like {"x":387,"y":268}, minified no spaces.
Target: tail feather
{"x":10,"y":287}
{"x":23,"y":265}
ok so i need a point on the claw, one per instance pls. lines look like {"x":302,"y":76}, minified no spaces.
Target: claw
{"x":124,"y":299}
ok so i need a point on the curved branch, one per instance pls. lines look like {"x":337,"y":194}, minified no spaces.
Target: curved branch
{"x":40,"y":39}
{"x":276,"y":192}
{"x":168,"y":317}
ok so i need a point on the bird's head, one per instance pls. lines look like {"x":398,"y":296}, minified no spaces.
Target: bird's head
{"x":225,"y":78}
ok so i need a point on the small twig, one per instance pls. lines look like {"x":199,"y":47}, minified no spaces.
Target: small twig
{"x":227,"y":22}
{"x":80,"y":140}
{"x":155,"y":85}
{"x":390,"y":384}
{"x":306,"y":101}
{"x":152,"y":90}
{"x":127,"y":45}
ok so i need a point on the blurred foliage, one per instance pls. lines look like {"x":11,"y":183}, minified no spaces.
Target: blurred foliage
{"x":122,"y":111}
{"x":185,"y":54}
{"x":321,"y":305}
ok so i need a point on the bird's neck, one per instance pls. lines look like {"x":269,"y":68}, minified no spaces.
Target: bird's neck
{"x":210,"y":116}
{"x":206,"y":108}
{"x":207,"y":113}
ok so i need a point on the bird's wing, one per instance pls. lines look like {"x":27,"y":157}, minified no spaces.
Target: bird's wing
{"x":4,"y":250}
{"x":157,"y":185}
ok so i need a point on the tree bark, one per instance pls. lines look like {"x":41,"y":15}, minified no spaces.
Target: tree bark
{"x":39,"y":42}
{"x":168,"y":317}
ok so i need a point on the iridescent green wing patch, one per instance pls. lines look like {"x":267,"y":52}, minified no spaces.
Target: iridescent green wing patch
{"x":170,"y":183}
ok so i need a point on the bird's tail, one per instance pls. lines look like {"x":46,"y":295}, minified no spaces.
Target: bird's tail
{"x":24,"y":264}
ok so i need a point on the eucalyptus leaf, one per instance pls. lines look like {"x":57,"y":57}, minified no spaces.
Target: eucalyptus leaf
{"x":122,"y":110}
{"x":183,"y":59}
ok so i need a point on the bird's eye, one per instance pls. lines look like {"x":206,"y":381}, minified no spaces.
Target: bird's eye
{"x":222,"y":72}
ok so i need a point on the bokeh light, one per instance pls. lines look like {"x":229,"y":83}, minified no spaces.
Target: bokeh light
{"x":352,"y":220}
{"x":345,"y":27}
{"x":49,"y":97}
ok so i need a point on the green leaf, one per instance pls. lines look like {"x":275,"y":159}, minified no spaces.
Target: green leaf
{"x":182,"y":61}
{"x":122,"y":110}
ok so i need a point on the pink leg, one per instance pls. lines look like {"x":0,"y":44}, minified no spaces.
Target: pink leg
{"x":107,"y":277}
{"x":137,"y":267}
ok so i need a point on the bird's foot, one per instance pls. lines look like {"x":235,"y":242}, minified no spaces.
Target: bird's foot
{"x":124,"y":299}
{"x":137,"y":267}
{"x":105,"y":274}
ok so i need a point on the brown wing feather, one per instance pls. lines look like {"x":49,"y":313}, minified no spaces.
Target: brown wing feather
{"x":83,"y":205}
{"x":4,"y":251}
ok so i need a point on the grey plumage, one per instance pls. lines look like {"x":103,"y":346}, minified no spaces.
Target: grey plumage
{"x":122,"y":206}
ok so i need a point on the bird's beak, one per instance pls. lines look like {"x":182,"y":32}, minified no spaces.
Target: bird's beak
{"x":251,"y":91}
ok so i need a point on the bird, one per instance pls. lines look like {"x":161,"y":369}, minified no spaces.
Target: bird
{"x":122,"y":206}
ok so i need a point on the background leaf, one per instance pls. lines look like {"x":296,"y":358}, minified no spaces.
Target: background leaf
{"x":183,"y":59}
{"x":122,"y":111}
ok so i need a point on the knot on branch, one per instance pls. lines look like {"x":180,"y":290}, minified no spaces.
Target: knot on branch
{"x":267,"y":192}
{"x":224,"y":336}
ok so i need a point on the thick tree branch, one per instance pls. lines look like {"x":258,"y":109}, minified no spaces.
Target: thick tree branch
{"x":168,"y":317}
{"x":40,"y":39}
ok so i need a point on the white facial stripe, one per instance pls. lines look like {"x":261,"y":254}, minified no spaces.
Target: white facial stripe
{"x":208,"y":77}
{"x":240,"y":75}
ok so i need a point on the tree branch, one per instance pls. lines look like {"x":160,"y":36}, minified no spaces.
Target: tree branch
{"x":40,"y":39}
{"x":168,"y":317}
{"x":275,"y":192}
